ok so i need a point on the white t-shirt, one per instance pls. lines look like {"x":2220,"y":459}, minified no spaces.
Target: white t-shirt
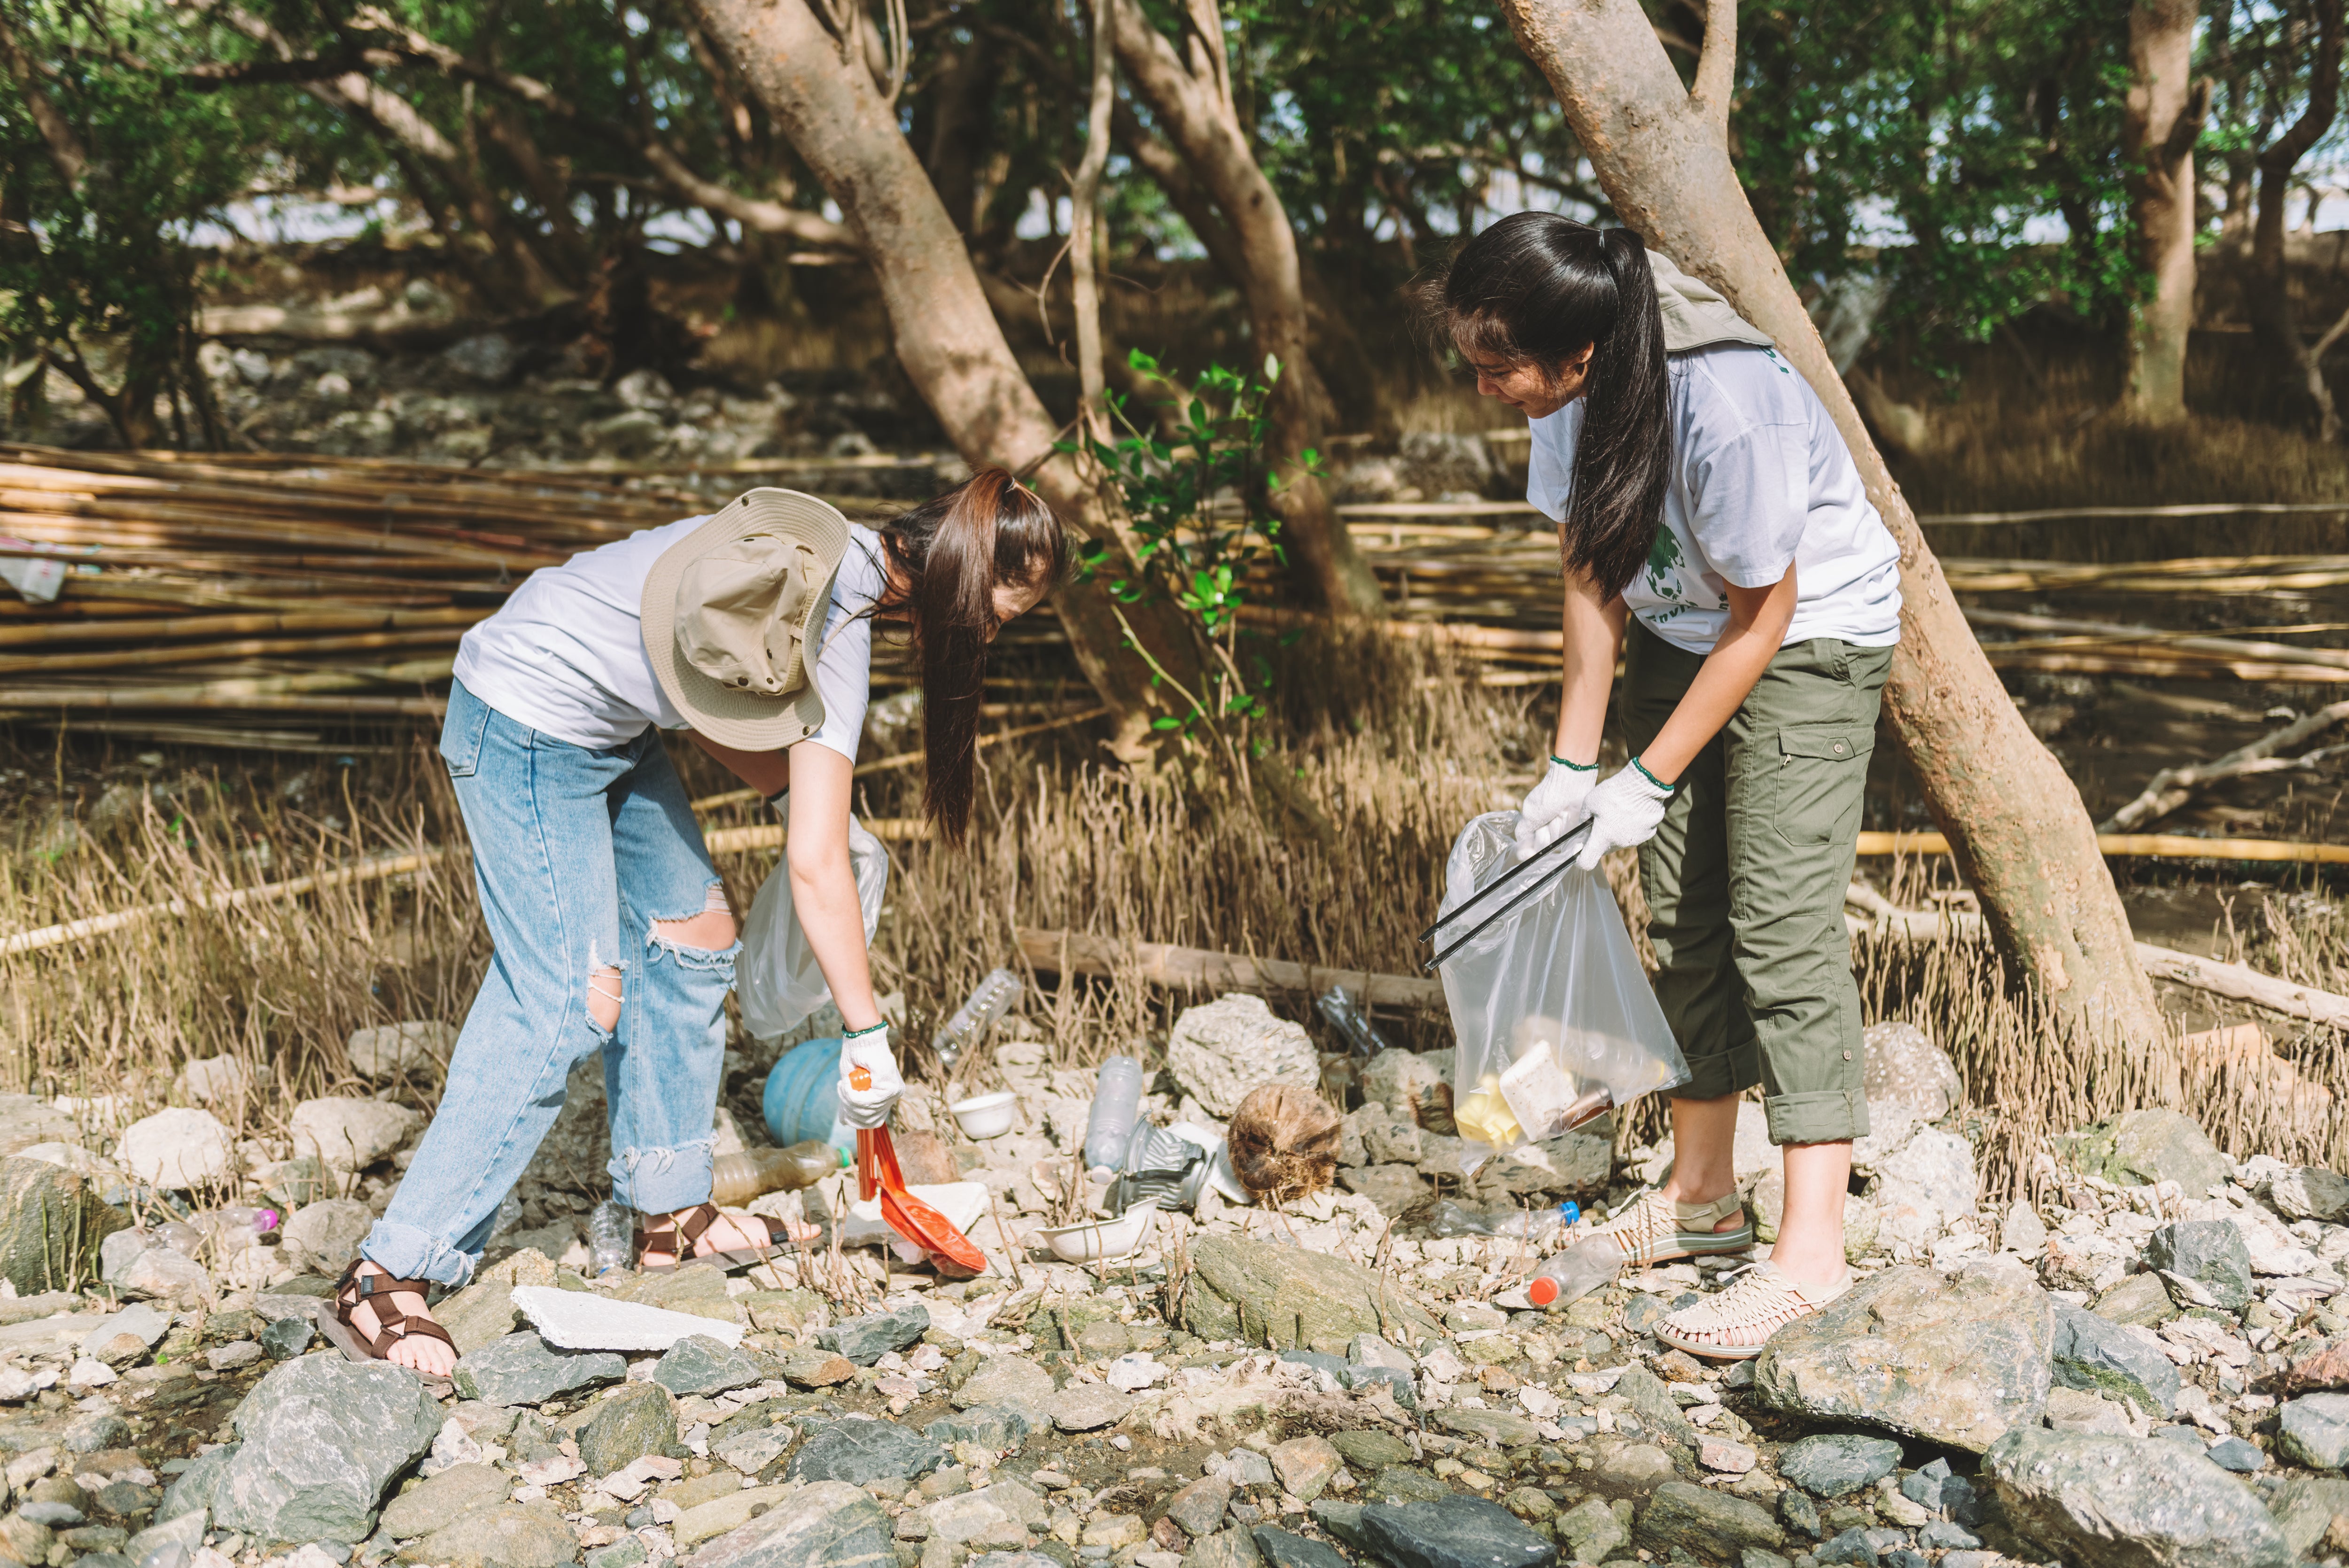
{"x":1761,"y":480}
{"x":565,"y":655}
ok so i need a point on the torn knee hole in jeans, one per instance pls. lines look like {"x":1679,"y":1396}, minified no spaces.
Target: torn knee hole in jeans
{"x":605,"y":983}
{"x":712,"y":931}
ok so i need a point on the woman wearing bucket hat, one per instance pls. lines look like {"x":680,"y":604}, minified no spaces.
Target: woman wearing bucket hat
{"x":1716,"y":536}
{"x":753,"y":629}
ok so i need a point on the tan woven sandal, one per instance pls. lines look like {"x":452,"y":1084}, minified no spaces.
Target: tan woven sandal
{"x":1734,"y":1325}
{"x":1657,"y":1229}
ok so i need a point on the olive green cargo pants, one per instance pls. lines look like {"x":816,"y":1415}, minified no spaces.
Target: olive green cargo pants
{"x":1746,"y":879}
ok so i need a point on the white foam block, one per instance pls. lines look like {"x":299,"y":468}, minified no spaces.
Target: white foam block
{"x":589,"y":1320}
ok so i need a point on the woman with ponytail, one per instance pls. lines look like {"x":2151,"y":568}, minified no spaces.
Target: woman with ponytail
{"x":1716,"y":538}
{"x":753,"y":630}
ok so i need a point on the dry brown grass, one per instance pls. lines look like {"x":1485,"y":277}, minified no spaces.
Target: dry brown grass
{"x":1390,"y":763}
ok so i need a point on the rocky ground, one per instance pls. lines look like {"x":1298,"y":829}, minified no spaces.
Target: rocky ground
{"x":2146,"y":1369}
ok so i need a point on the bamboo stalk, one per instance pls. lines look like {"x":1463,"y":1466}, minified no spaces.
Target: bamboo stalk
{"x":907,"y":759}
{"x":236,"y":898}
{"x":198,"y":626}
{"x":2148,"y":846}
{"x":252,"y":647}
{"x":2185,"y":642}
{"x":1200,"y":969}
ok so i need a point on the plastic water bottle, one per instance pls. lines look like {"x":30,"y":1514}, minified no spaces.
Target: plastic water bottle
{"x":1117,"y":1101}
{"x":611,"y":1232}
{"x":740,"y":1177}
{"x":1571,"y":1275}
{"x":991,"y":1001}
{"x":509,"y":1214}
{"x":1351,"y":1019}
{"x":237,"y":1226}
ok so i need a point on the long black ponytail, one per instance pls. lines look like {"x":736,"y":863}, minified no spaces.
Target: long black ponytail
{"x":1533,"y":290}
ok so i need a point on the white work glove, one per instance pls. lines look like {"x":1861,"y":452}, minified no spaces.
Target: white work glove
{"x":1625,"y":811}
{"x":868,"y":1107}
{"x":1555,"y":804}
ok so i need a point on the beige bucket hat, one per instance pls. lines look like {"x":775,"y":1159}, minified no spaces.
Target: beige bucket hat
{"x":730,"y":610}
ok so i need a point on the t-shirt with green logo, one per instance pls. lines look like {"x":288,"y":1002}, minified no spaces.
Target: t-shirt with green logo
{"x":1761,"y":480}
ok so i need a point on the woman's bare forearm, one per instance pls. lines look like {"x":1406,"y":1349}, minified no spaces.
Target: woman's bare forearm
{"x":765,"y":771}
{"x":823,"y":887}
{"x":1758,"y":619}
{"x":1593,"y":629}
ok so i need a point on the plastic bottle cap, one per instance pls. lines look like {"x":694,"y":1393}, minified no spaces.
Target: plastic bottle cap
{"x":1542,"y":1292}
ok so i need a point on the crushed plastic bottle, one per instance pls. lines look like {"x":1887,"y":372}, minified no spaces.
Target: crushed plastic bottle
{"x":738,"y":1178}
{"x":611,"y":1233}
{"x":1351,"y":1019}
{"x":1109,"y":1130}
{"x":509,"y":1215}
{"x":1571,"y":1275}
{"x":237,"y":1227}
{"x":1456,"y":1219}
{"x":993,"y":998}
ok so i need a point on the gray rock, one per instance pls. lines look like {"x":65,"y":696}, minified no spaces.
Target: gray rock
{"x":1368,"y":1449}
{"x":52,"y":1224}
{"x":1700,"y":1519}
{"x":1652,"y":1403}
{"x":26,"y":1119}
{"x":54,"y":1515}
{"x":701,"y":1365}
{"x":2096,"y":1356}
{"x":1342,"y":1519}
{"x":1005,"y":1379}
{"x":1199,"y":1507}
{"x":2235,"y":1455}
{"x":998,"y":1427}
{"x":288,"y":1338}
{"x":2097,"y":1502}
{"x":523,"y":1369}
{"x":98,"y":1429}
{"x":2313,"y":1431}
{"x":1223,"y":1049}
{"x":458,"y":1489}
{"x":192,"y":1491}
{"x":1225,"y":1549}
{"x":159,"y":1273}
{"x":1407,"y":1483}
{"x":330,"y":1231}
{"x":2303,"y":1508}
{"x":490,"y":358}
{"x":1832,"y":1464}
{"x":626,"y":1552}
{"x":1858,"y":1546}
{"x":866,"y":1339}
{"x":1283,"y":1549}
{"x":2140,"y":1299}
{"x":1246,"y":1467}
{"x":2311,"y":1192}
{"x":1955,"y":1361}
{"x":322,"y":1439}
{"x":1256,"y":1292}
{"x":1393,"y":1188}
{"x":862,"y":1452}
{"x":526,"y":1535}
{"x":2210,"y":1252}
{"x":395,"y":1050}
{"x":1590,"y":1530}
{"x":2147,"y":1146}
{"x":1798,"y":1511}
{"x":639,"y":1419}
{"x":1088,"y":1407}
{"x":183,"y":1534}
{"x":1502,"y":1429}
{"x":1454,"y":1533}
{"x":142,"y":1321}
{"x":1904,"y":1068}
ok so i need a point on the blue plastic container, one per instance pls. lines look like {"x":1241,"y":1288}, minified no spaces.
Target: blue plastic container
{"x":803,"y":1095}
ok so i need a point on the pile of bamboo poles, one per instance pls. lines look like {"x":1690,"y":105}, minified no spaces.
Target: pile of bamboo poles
{"x":270,"y":586}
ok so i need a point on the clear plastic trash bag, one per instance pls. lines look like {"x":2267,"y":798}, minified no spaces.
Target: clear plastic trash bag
{"x":776,"y":976}
{"x":1555,"y":1019}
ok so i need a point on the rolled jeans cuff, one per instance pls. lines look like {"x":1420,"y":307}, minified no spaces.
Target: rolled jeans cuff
{"x":1827,"y":1116}
{"x":405,"y":1252}
{"x":662,"y":1181}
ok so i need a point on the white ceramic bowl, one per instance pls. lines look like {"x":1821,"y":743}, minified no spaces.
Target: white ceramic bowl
{"x":986,"y":1115}
{"x":1097,"y":1241}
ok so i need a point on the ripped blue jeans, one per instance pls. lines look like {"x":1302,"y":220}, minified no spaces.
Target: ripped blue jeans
{"x":577,"y":854}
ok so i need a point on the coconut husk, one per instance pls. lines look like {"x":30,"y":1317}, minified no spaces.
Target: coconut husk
{"x":1284,"y":1142}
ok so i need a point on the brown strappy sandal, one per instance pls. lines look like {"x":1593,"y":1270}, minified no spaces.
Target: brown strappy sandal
{"x":336,"y":1312}
{"x":675,"y":1237}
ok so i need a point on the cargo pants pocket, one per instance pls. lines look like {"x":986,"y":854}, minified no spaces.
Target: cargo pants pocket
{"x":1822,"y":779}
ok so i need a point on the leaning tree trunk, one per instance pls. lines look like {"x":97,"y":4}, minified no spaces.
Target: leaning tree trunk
{"x":2160,"y":121}
{"x":2015,"y":821}
{"x":1190,"y":94}
{"x":947,"y":338}
{"x":2269,"y":296}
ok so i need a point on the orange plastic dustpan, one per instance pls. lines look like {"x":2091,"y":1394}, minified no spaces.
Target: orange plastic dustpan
{"x":876,"y":1169}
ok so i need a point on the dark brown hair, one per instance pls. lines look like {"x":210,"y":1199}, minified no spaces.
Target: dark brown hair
{"x":1531,"y":290}
{"x":949,"y":554}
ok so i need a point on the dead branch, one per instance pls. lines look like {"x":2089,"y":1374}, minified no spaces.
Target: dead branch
{"x":2173,"y":787}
